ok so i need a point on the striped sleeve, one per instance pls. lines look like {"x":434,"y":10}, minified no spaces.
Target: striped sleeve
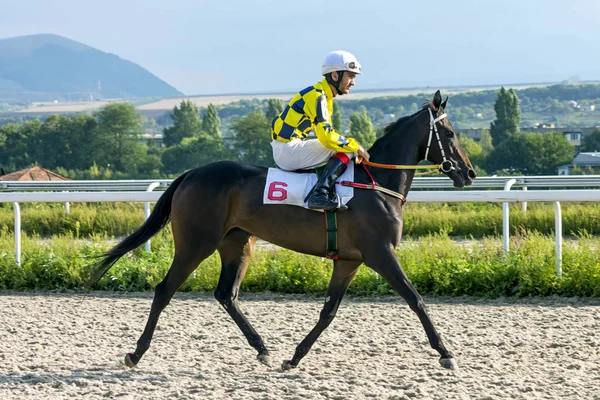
{"x":328,"y":136}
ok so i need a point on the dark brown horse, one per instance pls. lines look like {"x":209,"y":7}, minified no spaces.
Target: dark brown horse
{"x":220,"y":207}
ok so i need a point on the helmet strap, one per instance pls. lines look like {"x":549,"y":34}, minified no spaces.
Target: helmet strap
{"x":335,"y":83}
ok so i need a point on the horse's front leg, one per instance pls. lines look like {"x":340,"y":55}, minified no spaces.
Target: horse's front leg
{"x":385,"y":262}
{"x":343,"y":273}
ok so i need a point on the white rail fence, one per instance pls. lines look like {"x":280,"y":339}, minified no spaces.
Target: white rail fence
{"x":441,"y":182}
{"x":494,"y":196}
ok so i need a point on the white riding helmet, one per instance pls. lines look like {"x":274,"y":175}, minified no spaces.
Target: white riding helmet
{"x":340,"y":60}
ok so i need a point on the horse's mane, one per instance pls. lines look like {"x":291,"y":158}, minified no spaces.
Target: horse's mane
{"x":396,"y":125}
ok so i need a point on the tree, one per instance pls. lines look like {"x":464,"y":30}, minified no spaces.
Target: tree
{"x":211,"y":122}
{"x":485,"y":141}
{"x":478,"y":151}
{"x":336,"y":118}
{"x":361,"y":129}
{"x":274,"y":108}
{"x":508,"y":116}
{"x":252,"y":139}
{"x":531,"y":153}
{"x":119,"y":126}
{"x":52,"y":147}
{"x":554,"y":150}
{"x":473,"y":150}
{"x":591,"y":142}
{"x":82,"y":137}
{"x":15,"y":153}
{"x":186,"y":123}
{"x":193,"y":152}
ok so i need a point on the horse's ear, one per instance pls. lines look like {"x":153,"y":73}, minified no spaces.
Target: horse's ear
{"x":444,"y":103}
{"x":437,"y":100}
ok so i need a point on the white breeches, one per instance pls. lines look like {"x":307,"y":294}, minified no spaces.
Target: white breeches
{"x":301,"y":154}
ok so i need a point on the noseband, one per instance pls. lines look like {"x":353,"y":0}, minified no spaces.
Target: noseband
{"x":446,"y":165}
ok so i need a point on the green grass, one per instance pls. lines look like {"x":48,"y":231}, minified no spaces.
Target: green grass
{"x":475,"y":220}
{"x":435,"y":264}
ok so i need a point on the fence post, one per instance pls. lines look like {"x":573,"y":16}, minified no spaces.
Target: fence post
{"x":558,"y":237}
{"x":505,"y":216}
{"x":150,"y":188}
{"x":17,"y":232}
{"x":524,"y":205}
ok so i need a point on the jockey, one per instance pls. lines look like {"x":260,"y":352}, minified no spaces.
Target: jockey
{"x":308,"y":112}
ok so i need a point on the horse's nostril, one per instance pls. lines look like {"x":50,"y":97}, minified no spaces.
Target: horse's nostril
{"x":472,"y":174}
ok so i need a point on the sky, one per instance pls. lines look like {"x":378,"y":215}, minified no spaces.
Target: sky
{"x":277,"y":46}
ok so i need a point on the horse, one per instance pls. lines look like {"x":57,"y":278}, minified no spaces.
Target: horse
{"x":219,"y":207}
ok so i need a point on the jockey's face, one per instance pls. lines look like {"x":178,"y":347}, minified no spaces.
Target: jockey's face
{"x":346,"y":83}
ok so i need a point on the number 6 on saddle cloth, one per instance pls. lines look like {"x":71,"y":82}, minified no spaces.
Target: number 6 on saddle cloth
{"x":284,"y":187}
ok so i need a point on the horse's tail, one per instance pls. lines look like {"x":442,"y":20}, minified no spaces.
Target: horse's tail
{"x":160,"y":216}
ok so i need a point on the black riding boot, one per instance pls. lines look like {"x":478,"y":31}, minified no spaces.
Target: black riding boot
{"x":322,"y":196}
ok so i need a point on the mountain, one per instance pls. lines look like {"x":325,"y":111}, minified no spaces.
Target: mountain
{"x":51,"y":67}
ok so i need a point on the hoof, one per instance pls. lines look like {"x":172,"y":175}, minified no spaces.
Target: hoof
{"x":287,"y":365}
{"x":128,"y":361}
{"x":265,"y":359}
{"x":449,"y":363}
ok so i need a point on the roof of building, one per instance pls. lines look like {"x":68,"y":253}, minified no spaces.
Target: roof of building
{"x":587,"y":159}
{"x":33,"y":174}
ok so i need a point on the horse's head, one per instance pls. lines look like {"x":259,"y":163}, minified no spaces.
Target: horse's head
{"x":442,"y":145}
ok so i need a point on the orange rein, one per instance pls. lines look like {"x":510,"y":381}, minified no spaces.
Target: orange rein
{"x":393,"y":166}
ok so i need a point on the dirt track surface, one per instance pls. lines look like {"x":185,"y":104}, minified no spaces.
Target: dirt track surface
{"x":53,"y":346}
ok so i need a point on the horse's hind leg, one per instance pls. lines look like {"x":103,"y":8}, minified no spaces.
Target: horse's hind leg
{"x":187,"y":258}
{"x":387,"y":265}
{"x":343,"y":273}
{"x":235,"y":250}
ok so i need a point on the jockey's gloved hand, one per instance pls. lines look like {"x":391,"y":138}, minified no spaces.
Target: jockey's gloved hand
{"x":362,"y":154}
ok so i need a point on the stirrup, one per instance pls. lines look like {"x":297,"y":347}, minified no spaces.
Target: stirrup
{"x":334,"y":204}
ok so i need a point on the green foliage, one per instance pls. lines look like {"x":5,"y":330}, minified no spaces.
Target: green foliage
{"x":480,"y":220}
{"x":80,"y":148}
{"x":591,"y":142}
{"x":336,"y":118}
{"x":508,"y":116}
{"x":274,"y":108}
{"x":361,"y":129}
{"x":194,"y":152}
{"x":435,"y":265}
{"x":77,"y":145}
{"x":211,"y":122}
{"x":472,"y":149}
{"x":15,"y":152}
{"x":186,"y":123}
{"x":119,"y":128}
{"x":577,"y":170}
{"x":420,"y":219}
{"x":252,"y":139}
{"x":478,"y":151}
{"x":485,"y":141}
{"x":65,"y":142}
{"x":531,"y":153}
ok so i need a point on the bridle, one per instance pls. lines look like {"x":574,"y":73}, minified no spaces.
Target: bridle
{"x":446,"y":165}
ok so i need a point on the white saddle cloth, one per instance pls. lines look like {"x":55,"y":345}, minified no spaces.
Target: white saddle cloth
{"x":284,"y":187}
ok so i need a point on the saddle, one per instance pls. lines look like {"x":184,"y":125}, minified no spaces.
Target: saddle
{"x":291,"y":187}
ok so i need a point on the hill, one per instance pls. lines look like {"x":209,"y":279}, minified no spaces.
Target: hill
{"x":51,"y":67}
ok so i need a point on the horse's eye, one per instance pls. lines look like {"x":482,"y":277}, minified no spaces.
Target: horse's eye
{"x":449,"y":133}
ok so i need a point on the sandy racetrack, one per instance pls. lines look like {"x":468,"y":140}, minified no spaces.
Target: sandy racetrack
{"x":52,"y":346}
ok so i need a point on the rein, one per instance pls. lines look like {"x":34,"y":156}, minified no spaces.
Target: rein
{"x":374,"y":186}
{"x":445,"y":166}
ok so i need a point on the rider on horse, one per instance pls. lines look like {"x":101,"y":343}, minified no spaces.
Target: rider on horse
{"x":308,"y":112}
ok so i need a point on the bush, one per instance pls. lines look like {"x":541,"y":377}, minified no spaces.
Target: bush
{"x":435,"y":264}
